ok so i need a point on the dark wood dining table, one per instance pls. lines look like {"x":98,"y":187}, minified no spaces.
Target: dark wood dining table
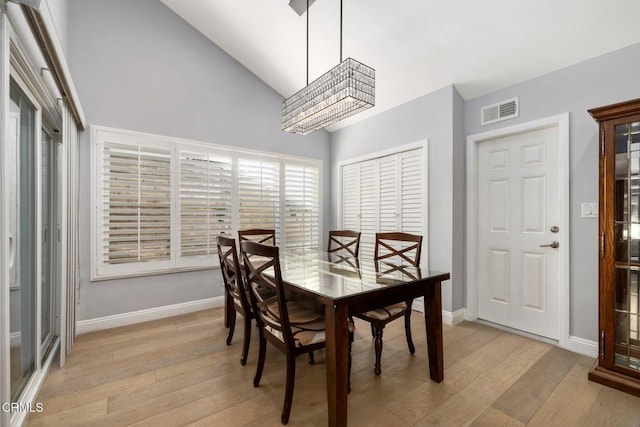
{"x":346,"y":285}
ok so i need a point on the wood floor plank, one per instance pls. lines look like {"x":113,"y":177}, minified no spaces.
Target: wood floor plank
{"x":133,"y":396}
{"x":614,"y":408}
{"x":523,"y":399}
{"x":494,"y":418}
{"x":571,"y":400}
{"x":77,"y":415}
{"x":430,"y":395}
{"x":100,"y":392}
{"x":470,"y":402}
{"x":179,"y":371}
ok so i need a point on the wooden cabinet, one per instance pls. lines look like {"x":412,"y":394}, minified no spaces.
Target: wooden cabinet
{"x":618,"y":363}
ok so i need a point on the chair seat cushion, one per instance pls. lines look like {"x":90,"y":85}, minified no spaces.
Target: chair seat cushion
{"x":308,"y":327}
{"x":297,"y":313}
{"x":385,"y":312}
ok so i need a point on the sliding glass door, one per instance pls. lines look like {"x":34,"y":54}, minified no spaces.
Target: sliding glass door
{"x":32,"y":178}
{"x":33,"y":238}
{"x":49,"y":239}
{"x":22,"y":135}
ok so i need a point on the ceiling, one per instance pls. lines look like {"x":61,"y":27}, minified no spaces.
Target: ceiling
{"x":415,"y":46}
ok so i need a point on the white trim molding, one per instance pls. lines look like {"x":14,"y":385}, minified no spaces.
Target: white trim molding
{"x":562,"y":123}
{"x":139,"y":316}
{"x":582,"y":346}
{"x":453,"y":318}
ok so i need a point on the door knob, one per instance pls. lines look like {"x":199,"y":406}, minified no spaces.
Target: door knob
{"x":553,"y":245}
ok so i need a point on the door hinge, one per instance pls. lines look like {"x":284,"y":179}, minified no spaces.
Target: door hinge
{"x":602,"y":344}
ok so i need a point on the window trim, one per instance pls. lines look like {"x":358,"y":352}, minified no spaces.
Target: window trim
{"x":177,"y":144}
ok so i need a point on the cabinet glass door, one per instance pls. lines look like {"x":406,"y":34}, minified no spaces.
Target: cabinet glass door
{"x":627,"y":251}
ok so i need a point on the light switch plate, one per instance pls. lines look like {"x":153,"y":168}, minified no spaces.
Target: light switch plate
{"x":590,"y":210}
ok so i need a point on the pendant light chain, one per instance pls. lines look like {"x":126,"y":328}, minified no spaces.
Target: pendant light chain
{"x":308,"y":38}
{"x":308,"y":42}
{"x":340,"y":32}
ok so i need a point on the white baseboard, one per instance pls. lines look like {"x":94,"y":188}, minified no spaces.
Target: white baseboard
{"x":582,"y":346}
{"x":449,"y":318}
{"x":133,"y":317}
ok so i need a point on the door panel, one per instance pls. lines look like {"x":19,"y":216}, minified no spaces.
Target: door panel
{"x":500,"y":289}
{"x":533,"y":281}
{"x":500,"y":201}
{"x":518,"y":203}
{"x":533,"y":201}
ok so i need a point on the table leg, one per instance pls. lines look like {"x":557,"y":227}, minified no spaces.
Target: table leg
{"x":337,"y":361}
{"x":433,"y":324}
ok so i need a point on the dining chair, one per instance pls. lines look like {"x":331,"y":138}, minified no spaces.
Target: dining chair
{"x":290,"y":327}
{"x":344,"y":240}
{"x":405,"y":248}
{"x":343,"y":248}
{"x":235,"y":291}
{"x":265,"y":236}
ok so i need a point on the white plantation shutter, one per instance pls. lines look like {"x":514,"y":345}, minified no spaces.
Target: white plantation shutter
{"x":385,"y":194}
{"x":389,"y":191}
{"x":259,"y":194}
{"x":136,"y":204}
{"x":412,"y":188}
{"x":351,"y":197}
{"x":160,"y":203}
{"x":301,"y":206}
{"x":369,"y":207}
{"x":205,"y":202}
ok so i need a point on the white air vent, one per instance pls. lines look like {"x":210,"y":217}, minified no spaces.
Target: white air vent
{"x":501,"y":111}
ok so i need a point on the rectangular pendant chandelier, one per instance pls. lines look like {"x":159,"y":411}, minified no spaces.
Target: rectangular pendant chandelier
{"x":341,"y":92}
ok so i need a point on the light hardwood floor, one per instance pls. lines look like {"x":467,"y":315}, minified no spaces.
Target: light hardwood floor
{"x":178,"y":371}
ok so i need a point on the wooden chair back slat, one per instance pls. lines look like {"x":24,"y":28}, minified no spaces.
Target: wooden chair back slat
{"x":262,"y":269}
{"x":346,"y":240}
{"x":384,"y":241}
{"x":231,"y":272}
{"x":265,"y":236}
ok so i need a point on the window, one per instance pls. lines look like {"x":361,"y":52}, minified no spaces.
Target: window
{"x":136,"y":215}
{"x":206,"y":203}
{"x":385,"y":193}
{"x":259,"y":194}
{"x":301,"y":206}
{"x":161,"y":202}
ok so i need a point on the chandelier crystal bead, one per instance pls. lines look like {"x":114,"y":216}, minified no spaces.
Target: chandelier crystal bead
{"x":343,"y":91}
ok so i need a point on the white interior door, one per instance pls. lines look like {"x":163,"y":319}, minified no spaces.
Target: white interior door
{"x":519,"y":273}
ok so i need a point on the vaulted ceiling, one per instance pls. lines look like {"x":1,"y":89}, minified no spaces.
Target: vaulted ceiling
{"x":415,"y":46}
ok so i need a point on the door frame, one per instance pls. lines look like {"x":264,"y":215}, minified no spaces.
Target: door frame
{"x":562,"y":123}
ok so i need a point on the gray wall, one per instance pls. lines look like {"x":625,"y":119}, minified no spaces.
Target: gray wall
{"x":458,"y":184}
{"x":59,"y":11}
{"x":433,"y":117}
{"x":138,"y":66}
{"x":604,"y":80}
